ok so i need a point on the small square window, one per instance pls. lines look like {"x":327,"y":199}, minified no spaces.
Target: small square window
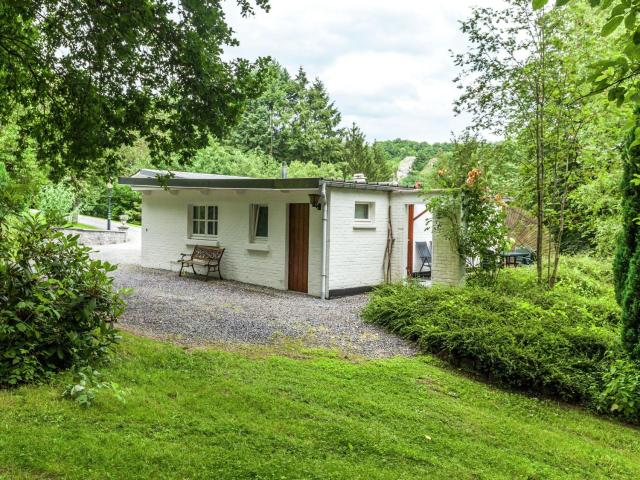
{"x":362,"y":211}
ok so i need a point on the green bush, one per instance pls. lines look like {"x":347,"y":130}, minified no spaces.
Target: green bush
{"x":552,"y":342}
{"x":55,"y":201}
{"x":124,"y":201}
{"x":621,"y":393}
{"x":57,"y":306}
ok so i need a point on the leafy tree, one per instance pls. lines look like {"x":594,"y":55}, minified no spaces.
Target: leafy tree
{"x":298,"y":169}
{"x":524,"y":80}
{"x":225,"y":160}
{"x":265,"y":121}
{"x":619,"y":73}
{"x":94,"y":200}
{"x":507,"y":62}
{"x":88,"y":77}
{"x":19,"y":184}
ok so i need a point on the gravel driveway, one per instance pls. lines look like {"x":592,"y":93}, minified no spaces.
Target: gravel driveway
{"x":194,"y":311}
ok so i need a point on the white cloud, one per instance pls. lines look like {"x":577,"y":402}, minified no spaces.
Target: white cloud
{"x":387,"y":64}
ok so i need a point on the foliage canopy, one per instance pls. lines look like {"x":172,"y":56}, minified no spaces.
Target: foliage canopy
{"x":89,"y":77}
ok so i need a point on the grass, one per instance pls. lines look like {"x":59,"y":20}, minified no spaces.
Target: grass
{"x":83,"y":226}
{"x":301,"y":414}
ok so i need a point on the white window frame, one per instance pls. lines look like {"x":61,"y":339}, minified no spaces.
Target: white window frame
{"x":371,"y":215}
{"x":253,"y":223}
{"x":206,"y":220}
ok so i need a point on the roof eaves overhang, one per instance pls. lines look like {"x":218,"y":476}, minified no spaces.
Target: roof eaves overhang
{"x":227,"y":183}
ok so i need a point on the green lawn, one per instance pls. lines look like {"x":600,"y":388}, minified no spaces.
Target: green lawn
{"x":294,"y":413}
{"x":83,"y":226}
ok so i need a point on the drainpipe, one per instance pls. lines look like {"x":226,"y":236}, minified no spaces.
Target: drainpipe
{"x":323,"y":256}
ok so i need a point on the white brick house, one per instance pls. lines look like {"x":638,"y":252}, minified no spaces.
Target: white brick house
{"x":323,"y":237}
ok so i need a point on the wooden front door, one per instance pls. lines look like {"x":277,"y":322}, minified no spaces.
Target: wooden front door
{"x":298,"y":247}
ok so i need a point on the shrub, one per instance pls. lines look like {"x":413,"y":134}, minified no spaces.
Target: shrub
{"x":57,"y":306}
{"x":621,"y":393}
{"x":124,"y":201}
{"x":87,"y":383}
{"x":55,"y":201}
{"x":552,"y":342}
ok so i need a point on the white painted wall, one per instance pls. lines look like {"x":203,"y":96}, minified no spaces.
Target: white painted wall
{"x":356,"y":251}
{"x":355,"y":254}
{"x":165,"y":230}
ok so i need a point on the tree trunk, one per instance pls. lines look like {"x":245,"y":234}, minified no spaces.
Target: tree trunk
{"x":539,"y":182}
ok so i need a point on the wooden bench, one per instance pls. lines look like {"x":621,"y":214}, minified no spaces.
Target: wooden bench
{"x":203,"y":256}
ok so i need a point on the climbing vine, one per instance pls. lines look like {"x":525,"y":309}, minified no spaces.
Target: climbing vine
{"x":472,"y":217}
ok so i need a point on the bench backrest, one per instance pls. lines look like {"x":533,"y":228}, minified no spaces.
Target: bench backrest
{"x":207,"y":253}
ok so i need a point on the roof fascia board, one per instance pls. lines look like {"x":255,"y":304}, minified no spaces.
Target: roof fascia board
{"x":229,"y":183}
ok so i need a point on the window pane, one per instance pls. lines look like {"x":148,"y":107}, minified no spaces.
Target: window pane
{"x":211,"y":215}
{"x":362,"y":211}
{"x":262,"y":229}
{"x":210,"y":228}
{"x":198,"y":213}
{"x":194,"y":227}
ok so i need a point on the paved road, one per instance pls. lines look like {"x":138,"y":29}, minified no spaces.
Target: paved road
{"x":404,"y":168}
{"x":121,"y":253}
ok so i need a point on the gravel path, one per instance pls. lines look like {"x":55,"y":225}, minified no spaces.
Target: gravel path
{"x":195,"y":311}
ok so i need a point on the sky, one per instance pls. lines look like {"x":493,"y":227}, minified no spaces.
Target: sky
{"x":386,"y":64}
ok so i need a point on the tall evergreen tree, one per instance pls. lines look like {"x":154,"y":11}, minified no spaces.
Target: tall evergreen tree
{"x":360,"y":157}
{"x":326,"y":136}
{"x":627,"y":261}
{"x":294,"y":119}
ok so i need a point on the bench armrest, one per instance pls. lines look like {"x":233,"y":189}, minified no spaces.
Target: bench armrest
{"x":183,"y":256}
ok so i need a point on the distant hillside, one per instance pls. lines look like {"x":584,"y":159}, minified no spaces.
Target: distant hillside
{"x":398,"y":149}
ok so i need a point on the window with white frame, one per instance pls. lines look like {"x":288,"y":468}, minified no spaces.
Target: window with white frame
{"x":259,"y":222}
{"x":364,"y":212}
{"x":203,"y":221}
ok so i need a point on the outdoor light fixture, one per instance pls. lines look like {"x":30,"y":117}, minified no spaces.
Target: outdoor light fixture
{"x":314,"y":200}
{"x":110,"y":190}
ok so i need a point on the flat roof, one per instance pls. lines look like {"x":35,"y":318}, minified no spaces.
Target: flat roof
{"x":149,"y":178}
{"x":149,"y":173}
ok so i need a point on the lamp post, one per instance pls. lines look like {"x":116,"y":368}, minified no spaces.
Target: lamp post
{"x":110,"y":190}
